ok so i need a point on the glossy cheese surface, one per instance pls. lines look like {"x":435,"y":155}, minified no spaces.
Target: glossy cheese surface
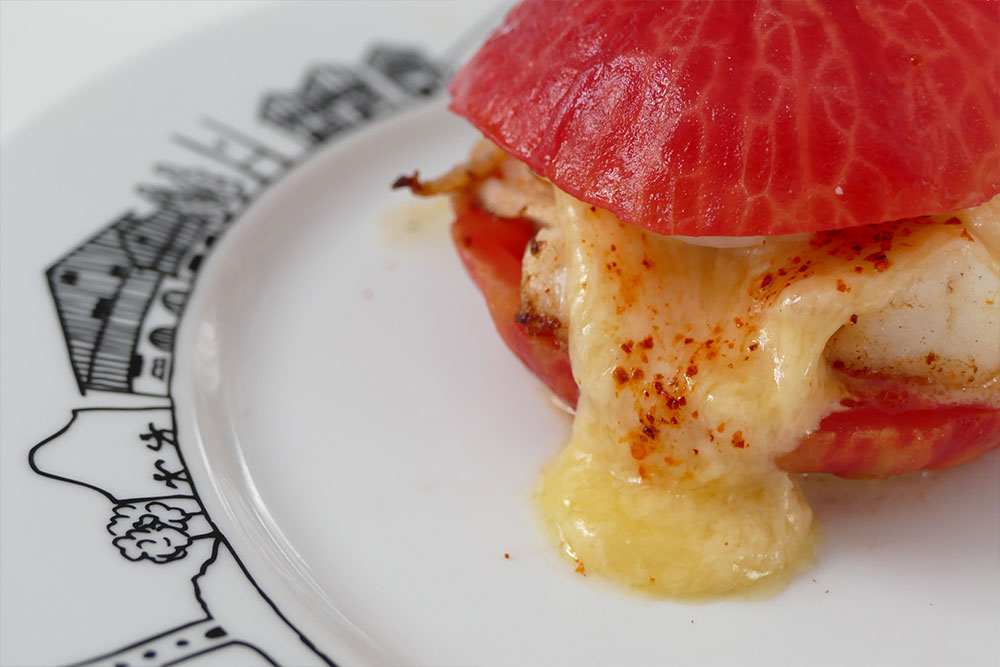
{"x":698,"y":367}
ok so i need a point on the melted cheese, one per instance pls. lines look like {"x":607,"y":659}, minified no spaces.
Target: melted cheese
{"x":698,"y":366}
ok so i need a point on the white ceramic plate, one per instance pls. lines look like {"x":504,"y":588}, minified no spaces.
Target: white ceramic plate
{"x":322,"y":453}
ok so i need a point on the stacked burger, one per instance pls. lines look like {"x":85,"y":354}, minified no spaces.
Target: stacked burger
{"x":742,"y":240}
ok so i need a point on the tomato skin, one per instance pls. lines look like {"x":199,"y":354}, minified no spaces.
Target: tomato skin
{"x":887,"y":432}
{"x":868,"y":441}
{"x":491,"y":248}
{"x":750,"y":117}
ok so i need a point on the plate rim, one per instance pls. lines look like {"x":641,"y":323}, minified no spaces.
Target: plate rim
{"x":117,"y":393}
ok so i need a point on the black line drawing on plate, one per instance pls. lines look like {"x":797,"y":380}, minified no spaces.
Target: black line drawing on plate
{"x":333,"y":98}
{"x":240,"y":152}
{"x":120,"y":296}
{"x":160,"y":520}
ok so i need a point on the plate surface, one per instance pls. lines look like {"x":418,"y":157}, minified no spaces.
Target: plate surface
{"x":267,"y":420}
{"x":369,"y":438}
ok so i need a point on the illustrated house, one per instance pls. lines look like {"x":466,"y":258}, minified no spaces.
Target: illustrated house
{"x":332,"y":99}
{"x":120,"y":294}
{"x":101,"y":297}
{"x":408,"y":69}
{"x":335,"y":98}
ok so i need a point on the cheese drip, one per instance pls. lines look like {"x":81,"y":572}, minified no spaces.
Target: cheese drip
{"x":697,"y":368}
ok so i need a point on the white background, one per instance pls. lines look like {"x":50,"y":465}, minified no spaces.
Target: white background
{"x":51,"y":49}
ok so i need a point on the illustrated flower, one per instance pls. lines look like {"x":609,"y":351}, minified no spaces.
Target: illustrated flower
{"x":153,"y":530}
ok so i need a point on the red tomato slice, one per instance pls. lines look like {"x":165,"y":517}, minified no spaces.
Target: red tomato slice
{"x":751,"y":117}
{"x":871,"y":442}
{"x":491,"y":249}
{"x":888,"y":434}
